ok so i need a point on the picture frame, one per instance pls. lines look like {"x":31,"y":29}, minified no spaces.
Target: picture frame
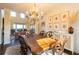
{"x":64,"y":16}
{"x":56,"y":18}
{"x":43,"y":24}
{"x":64,"y":26}
{"x":56,"y":26}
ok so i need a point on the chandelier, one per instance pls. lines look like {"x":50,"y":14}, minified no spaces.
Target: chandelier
{"x":34,"y":12}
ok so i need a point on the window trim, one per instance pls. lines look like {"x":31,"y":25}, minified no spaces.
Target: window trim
{"x":13,"y":13}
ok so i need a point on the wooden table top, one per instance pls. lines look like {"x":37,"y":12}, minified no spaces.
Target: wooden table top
{"x":30,"y":40}
{"x":37,"y":44}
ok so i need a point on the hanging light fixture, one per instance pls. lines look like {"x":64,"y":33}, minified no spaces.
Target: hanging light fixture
{"x":34,"y":12}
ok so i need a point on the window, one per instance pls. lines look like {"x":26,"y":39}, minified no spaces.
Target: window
{"x":19,"y":26}
{"x":22,"y":15}
{"x":2,"y":11}
{"x":13,"y":13}
{"x":14,"y":26}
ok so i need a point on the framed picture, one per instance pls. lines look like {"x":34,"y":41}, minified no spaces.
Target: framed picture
{"x":65,"y":16}
{"x":56,"y":18}
{"x":56,"y":26}
{"x":50,"y":20}
{"x":43,"y":24}
{"x":64,"y":26}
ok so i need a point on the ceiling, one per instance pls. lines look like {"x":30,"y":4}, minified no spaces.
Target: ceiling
{"x":47,"y":8}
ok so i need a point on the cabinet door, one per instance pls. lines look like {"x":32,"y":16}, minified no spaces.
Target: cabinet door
{"x":69,"y":44}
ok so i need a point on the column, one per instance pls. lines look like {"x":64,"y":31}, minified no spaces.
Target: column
{"x":37,"y":27}
{"x":6,"y":26}
{"x":0,"y":26}
{"x":27,"y":26}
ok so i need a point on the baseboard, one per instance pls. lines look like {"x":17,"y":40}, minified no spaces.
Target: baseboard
{"x":70,"y":52}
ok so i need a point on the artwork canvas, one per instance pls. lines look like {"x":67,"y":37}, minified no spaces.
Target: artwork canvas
{"x":64,"y":26}
{"x":57,"y":26}
{"x":64,"y":16}
{"x":56,"y":18}
{"x":43,"y":24}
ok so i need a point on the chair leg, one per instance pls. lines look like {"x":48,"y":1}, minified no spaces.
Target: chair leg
{"x":53,"y":52}
{"x":23,"y":51}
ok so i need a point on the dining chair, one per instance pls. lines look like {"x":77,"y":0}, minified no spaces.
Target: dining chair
{"x":58,"y":48}
{"x":23,"y":46}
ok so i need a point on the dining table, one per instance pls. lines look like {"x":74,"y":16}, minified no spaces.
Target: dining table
{"x":36,"y":44}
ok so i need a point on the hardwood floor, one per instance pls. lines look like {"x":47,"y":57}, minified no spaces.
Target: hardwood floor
{"x":13,"y":43}
{"x":15,"y":50}
{"x":2,"y":50}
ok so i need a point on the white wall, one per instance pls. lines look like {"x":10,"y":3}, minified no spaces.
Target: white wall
{"x":76,"y":37}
